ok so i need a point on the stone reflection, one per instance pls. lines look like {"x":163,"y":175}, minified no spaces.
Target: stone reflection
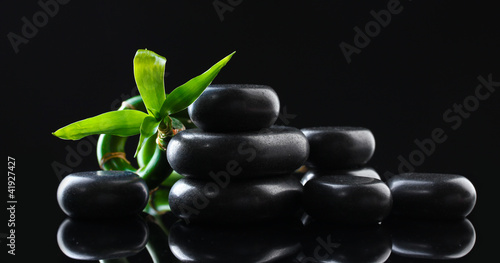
{"x":157,"y":247}
{"x":165,"y":238}
{"x":432,"y":239}
{"x":274,"y":242}
{"x":102,"y":239}
{"x":324,"y":242}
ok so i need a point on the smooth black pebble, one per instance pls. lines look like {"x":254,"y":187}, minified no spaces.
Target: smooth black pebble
{"x":363,"y":172}
{"x":278,"y":150}
{"x":236,"y":201}
{"x":432,"y":196}
{"x":235,"y":108}
{"x":333,"y":148}
{"x":102,"y":239}
{"x":347,"y":199}
{"x":101,"y":194}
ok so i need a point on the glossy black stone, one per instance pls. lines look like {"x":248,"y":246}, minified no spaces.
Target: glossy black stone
{"x":363,"y":172}
{"x":333,"y":148}
{"x":236,"y":201}
{"x":253,"y":244}
{"x":437,"y":240}
{"x":347,"y":199}
{"x":432,"y":196}
{"x":101,"y":194}
{"x":278,"y":150}
{"x":102,"y":239}
{"x":326,"y":242}
{"x":235,"y":108}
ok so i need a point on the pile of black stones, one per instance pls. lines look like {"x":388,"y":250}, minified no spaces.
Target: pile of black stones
{"x":239,"y":168}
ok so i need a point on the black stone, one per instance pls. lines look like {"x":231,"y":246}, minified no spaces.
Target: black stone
{"x":432,"y":196}
{"x":333,"y":148}
{"x":363,"y":172}
{"x":347,"y":199}
{"x":235,"y":108}
{"x":278,"y":150}
{"x":236,"y":201}
{"x":102,"y":239}
{"x":326,"y":242}
{"x":101,"y":194}
{"x":438,"y":240}
{"x":250,"y":243}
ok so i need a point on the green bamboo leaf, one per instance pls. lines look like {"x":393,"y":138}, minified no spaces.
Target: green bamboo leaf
{"x":181,"y":97}
{"x":121,"y":123}
{"x":148,"y":128}
{"x":149,"y":71}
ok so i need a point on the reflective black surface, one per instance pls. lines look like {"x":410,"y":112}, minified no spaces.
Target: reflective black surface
{"x":432,"y":240}
{"x":165,"y":238}
{"x":323,"y":242}
{"x":105,"y":239}
{"x":254,"y":244}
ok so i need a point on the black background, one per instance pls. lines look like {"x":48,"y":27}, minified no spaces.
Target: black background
{"x":427,"y":58}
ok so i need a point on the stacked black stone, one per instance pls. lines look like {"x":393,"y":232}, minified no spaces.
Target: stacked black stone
{"x":432,"y":196}
{"x":237,"y":165}
{"x":337,"y":188}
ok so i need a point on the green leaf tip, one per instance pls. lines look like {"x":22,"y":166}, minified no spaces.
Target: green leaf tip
{"x":184,"y":95}
{"x":121,"y":123}
{"x":149,"y":73}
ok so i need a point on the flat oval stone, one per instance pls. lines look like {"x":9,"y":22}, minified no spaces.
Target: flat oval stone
{"x":363,"y":172}
{"x":278,"y":150}
{"x":235,"y":108}
{"x":100,"y":194}
{"x":347,"y":199}
{"x":432,"y":196}
{"x":236,"y":201}
{"x":264,"y":243}
{"x":326,"y":242}
{"x":333,"y":148}
{"x":438,"y":240}
{"x":102,"y":239}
